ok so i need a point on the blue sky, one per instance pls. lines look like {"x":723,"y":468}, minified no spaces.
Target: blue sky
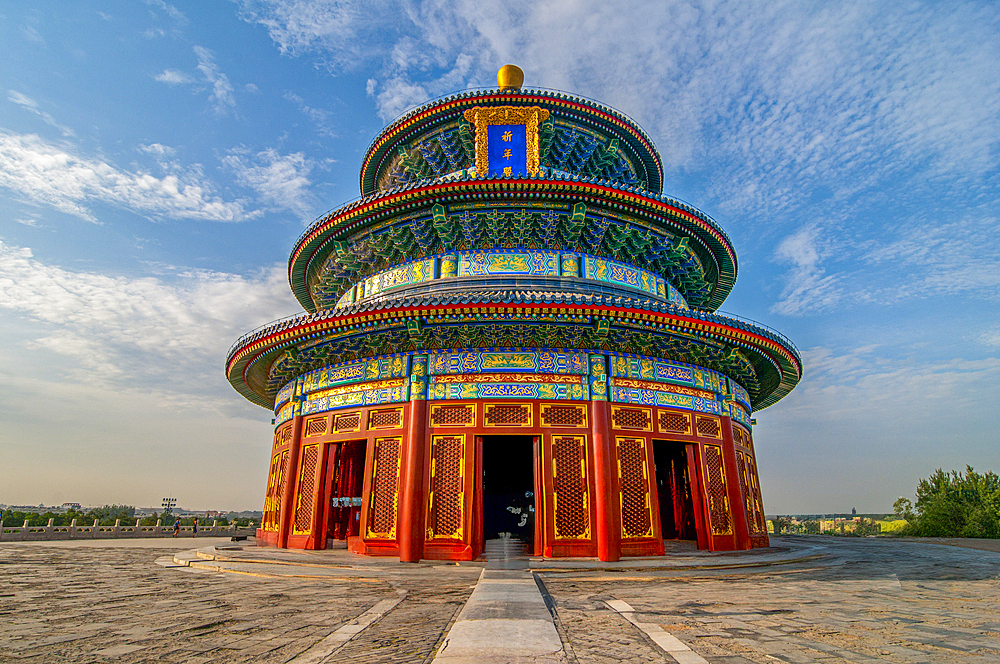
{"x":158,"y":160}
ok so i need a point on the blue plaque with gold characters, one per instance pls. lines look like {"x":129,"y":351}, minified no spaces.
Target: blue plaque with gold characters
{"x":506,"y":139}
{"x":508,"y":149}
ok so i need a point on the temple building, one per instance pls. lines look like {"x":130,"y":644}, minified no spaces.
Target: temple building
{"x":512,"y":333}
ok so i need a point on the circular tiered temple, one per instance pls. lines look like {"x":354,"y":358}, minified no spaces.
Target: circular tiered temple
{"x":511,"y":334}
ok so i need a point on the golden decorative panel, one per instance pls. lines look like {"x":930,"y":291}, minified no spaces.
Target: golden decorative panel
{"x":453,"y":415}
{"x":347,"y":422}
{"x":507,"y":415}
{"x":708,"y":427}
{"x":633,"y":474}
{"x":715,"y":483}
{"x":315,"y":426}
{"x":674,"y":422}
{"x":306,"y":490}
{"x":446,"y":500}
{"x":384,"y":488}
{"x":563,"y":416}
{"x":570,"y":498}
{"x":386,"y":418}
{"x":640,"y":419}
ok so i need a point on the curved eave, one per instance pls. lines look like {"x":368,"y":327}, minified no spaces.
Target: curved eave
{"x":313,"y":246}
{"x":251,"y":357}
{"x":434,"y":114}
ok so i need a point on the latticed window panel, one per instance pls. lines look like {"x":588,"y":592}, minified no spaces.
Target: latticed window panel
{"x":462,"y":415}
{"x":347,"y":422}
{"x":715,"y":483}
{"x":563,"y":416}
{"x":671,"y":422}
{"x":385,"y":419}
{"x":758,"y":524}
{"x":741,"y":437}
{"x":306,"y":489}
{"x":283,"y":437}
{"x":633,"y":474}
{"x":384,"y":488}
{"x":741,"y":471}
{"x":708,"y":427}
{"x":632,"y":418}
{"x":315,"y":426}
{"x":507,"y":415}
{"x":446,"y":505}
{"x":569,"y":487}
{"x":275,"y":487}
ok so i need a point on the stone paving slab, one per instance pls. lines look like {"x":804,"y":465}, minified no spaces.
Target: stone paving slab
{"x":504,"y":621}
{"x":810,"y":599}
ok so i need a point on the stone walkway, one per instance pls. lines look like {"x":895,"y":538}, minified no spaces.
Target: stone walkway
{"x":811,"y":599}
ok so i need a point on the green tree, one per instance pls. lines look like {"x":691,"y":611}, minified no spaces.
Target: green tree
{"x":903,"y":508}
{"x":866,"y":527}
{"x":781,"y":524}
{"x":107,"y":515}
{"x":954,"y":504}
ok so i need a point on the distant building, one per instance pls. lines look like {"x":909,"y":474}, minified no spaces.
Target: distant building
{"x":513,"y":333}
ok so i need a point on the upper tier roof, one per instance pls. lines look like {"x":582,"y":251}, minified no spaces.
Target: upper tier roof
{"x":580,"y":137}
{"x":669,"y":238}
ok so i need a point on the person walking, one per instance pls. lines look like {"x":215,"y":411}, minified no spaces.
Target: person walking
{"x":195,"y":533}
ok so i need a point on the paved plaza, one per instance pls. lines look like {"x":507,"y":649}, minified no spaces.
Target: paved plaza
{"x":809,"y":599}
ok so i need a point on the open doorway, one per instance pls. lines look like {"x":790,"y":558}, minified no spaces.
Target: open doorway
{"x":673,"y":485}
{"x":508,"y":487}
{"x":344,"y":481}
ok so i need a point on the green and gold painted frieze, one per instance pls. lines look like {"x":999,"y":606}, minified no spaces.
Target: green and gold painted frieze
{"x":514,"y":263}
{"x":516,"y":374}
{"x":531,"y":362}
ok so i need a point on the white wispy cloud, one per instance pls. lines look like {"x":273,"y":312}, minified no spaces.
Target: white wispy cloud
{"x":171,"y":10}
{"x":135,"y":365}
{"x":917,"y":259}
{"x":173,"y":77}
{"x":32,"y":35}
{"x":991,"y":338}
{"x":935,"y":259}
{"x":157,"y":149}
{"x":281,"y":180}
{"x":807,"y":287}
{"x":222,"y":89}
{"x":46,"y":174}
{"x":814,"y":99}
{"x":139,"y":329}
{"x":30,"y":105}
{"x":322,"y":118}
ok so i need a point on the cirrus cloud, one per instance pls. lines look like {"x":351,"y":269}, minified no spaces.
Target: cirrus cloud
{"x":45,"y":174}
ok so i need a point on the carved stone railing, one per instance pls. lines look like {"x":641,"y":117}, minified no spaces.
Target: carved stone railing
{"x":74,"y":532}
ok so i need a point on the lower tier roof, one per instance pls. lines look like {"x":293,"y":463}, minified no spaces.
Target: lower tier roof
{"x":764,"y":362}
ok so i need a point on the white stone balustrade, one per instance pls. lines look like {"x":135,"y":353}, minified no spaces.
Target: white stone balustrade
{"x":94,"y":531}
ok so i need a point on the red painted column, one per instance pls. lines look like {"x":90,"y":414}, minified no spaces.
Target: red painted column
{"x":608,"y":526}
{"x":737,"y":505}
{"x":410,"y":510}
{"x":411,"y":489}
{"x":291,"y":479}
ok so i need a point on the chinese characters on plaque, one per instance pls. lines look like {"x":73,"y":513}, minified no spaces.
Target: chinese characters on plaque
{"x":508,"y":149}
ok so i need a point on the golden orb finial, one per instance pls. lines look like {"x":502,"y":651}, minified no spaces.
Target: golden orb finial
{"x":510,"y":77}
